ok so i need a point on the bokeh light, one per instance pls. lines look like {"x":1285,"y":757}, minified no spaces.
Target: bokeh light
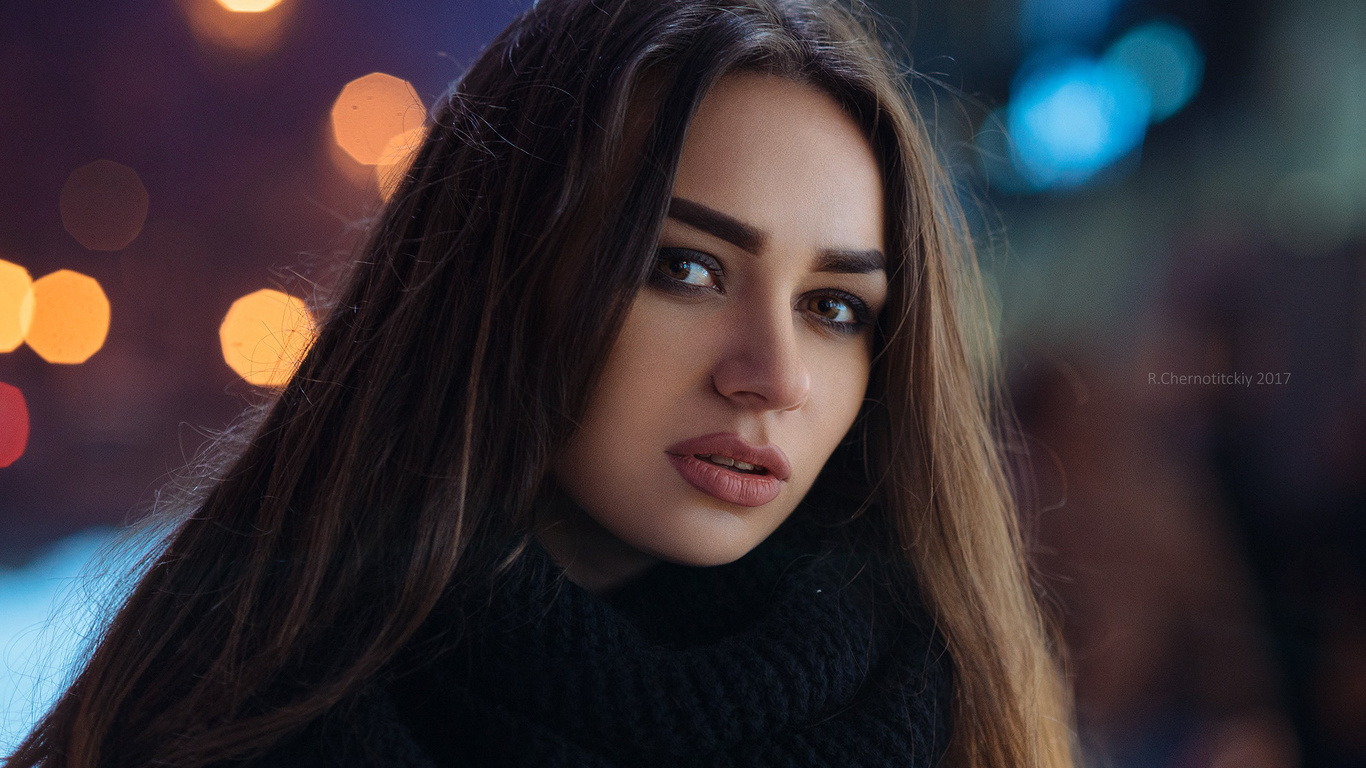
{"x":50,"y":607}
{"x":396,"y":159}
{"x":373,"y":110}
{"x":70,"y":317}
{"x":1071,"y":120}
{"x":340,"y":162}
{"x":248,"y":6}
{"x":1055,"y":21}
{"x":238,"y":28}
{"x":265,"y":335}
{"x":16,"y":305}
{"x":1166,"y":59}
{"x":14,"y":424}
{"x":104,"y":205}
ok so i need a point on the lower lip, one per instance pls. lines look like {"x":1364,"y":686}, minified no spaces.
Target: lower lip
{"x":727,"y":485}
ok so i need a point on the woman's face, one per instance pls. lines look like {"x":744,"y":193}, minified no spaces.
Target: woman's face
{"x":752,"y":341}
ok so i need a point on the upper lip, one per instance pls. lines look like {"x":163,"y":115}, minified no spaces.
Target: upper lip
{"x":768,"y":456}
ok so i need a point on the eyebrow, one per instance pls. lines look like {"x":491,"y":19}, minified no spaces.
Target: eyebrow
{"x":751,"y":239}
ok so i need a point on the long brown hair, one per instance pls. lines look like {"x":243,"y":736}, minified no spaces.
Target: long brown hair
{"x":408,"y":450}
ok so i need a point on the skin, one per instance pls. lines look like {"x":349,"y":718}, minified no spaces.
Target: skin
{"x":728,"y":338}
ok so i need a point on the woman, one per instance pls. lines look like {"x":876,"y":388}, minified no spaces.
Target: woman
{"x":645,"y":433}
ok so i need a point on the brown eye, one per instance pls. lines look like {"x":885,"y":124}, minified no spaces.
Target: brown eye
{"x":840,"y":312}
{"x":833,"y":309}
{"x":685,"y":270}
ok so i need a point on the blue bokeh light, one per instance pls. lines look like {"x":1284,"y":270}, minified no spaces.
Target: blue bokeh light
{"x":1044,"y":22}
{"x":49,"y":612}
{"x":1166,"y":59}
{"x":1070,"y":120}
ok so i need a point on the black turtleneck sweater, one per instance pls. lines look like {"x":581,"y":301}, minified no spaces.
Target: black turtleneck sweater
{"x":792,"y":655}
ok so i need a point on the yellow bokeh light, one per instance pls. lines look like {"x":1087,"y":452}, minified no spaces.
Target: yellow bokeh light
{"x":372,"y":110}
{"x":248,"y":6}
{"x":265,"y":335}
{"x":104,"y":205}
{"x":16,"y":305}
{"x":70,"y":317}
{"x":396,"y":158}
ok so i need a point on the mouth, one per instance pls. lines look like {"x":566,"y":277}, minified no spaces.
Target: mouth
{"x":732,"y":452}
{"x":734,"y":465}
{"x":743,"y":488}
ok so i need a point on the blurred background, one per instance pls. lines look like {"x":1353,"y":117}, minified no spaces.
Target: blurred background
{"x":1170,"y":204}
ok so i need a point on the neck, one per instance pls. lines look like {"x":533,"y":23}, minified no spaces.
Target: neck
{"x":591,"y":556}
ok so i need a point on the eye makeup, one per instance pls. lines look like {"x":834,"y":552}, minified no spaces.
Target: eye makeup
{"x":688,"y":272}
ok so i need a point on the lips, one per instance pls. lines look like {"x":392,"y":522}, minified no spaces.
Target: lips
{"x":770,"y":457}
{"x":746,"y":488}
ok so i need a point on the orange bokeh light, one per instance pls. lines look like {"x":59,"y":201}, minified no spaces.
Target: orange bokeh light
{"x":371,"y":111}
{"x":238,"y":28}
{"x":16,"y":305}
{"x":248,"y":6}
{"x":104,"y":205}
{"x":396,"y":158}
{"x":14,"y":424}
{"x":70,"y":317}
{"x":265,"y":335}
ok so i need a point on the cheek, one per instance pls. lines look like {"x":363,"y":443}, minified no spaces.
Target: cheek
{"x":654,"y":336}
{"x":655,"y":363}
{"x":842,"y":377}
{"x":645,"y":386}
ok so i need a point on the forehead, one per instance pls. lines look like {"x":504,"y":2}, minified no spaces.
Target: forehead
{"x":786,"y":158}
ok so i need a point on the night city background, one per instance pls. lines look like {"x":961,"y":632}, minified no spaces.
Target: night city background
{"x":1169,"y":201}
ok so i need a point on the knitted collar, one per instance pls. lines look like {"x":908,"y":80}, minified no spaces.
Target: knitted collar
{"x":791,"y":655}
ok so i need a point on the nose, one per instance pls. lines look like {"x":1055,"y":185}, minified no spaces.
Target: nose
{"x":762,"y":367}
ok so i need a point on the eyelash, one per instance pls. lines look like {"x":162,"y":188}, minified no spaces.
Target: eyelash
{"x":863,"y":316}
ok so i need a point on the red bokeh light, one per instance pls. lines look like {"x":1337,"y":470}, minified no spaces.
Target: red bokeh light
{"x":14,"y":424}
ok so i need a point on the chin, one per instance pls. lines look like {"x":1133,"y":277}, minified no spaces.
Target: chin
{"x":703,"y":537}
